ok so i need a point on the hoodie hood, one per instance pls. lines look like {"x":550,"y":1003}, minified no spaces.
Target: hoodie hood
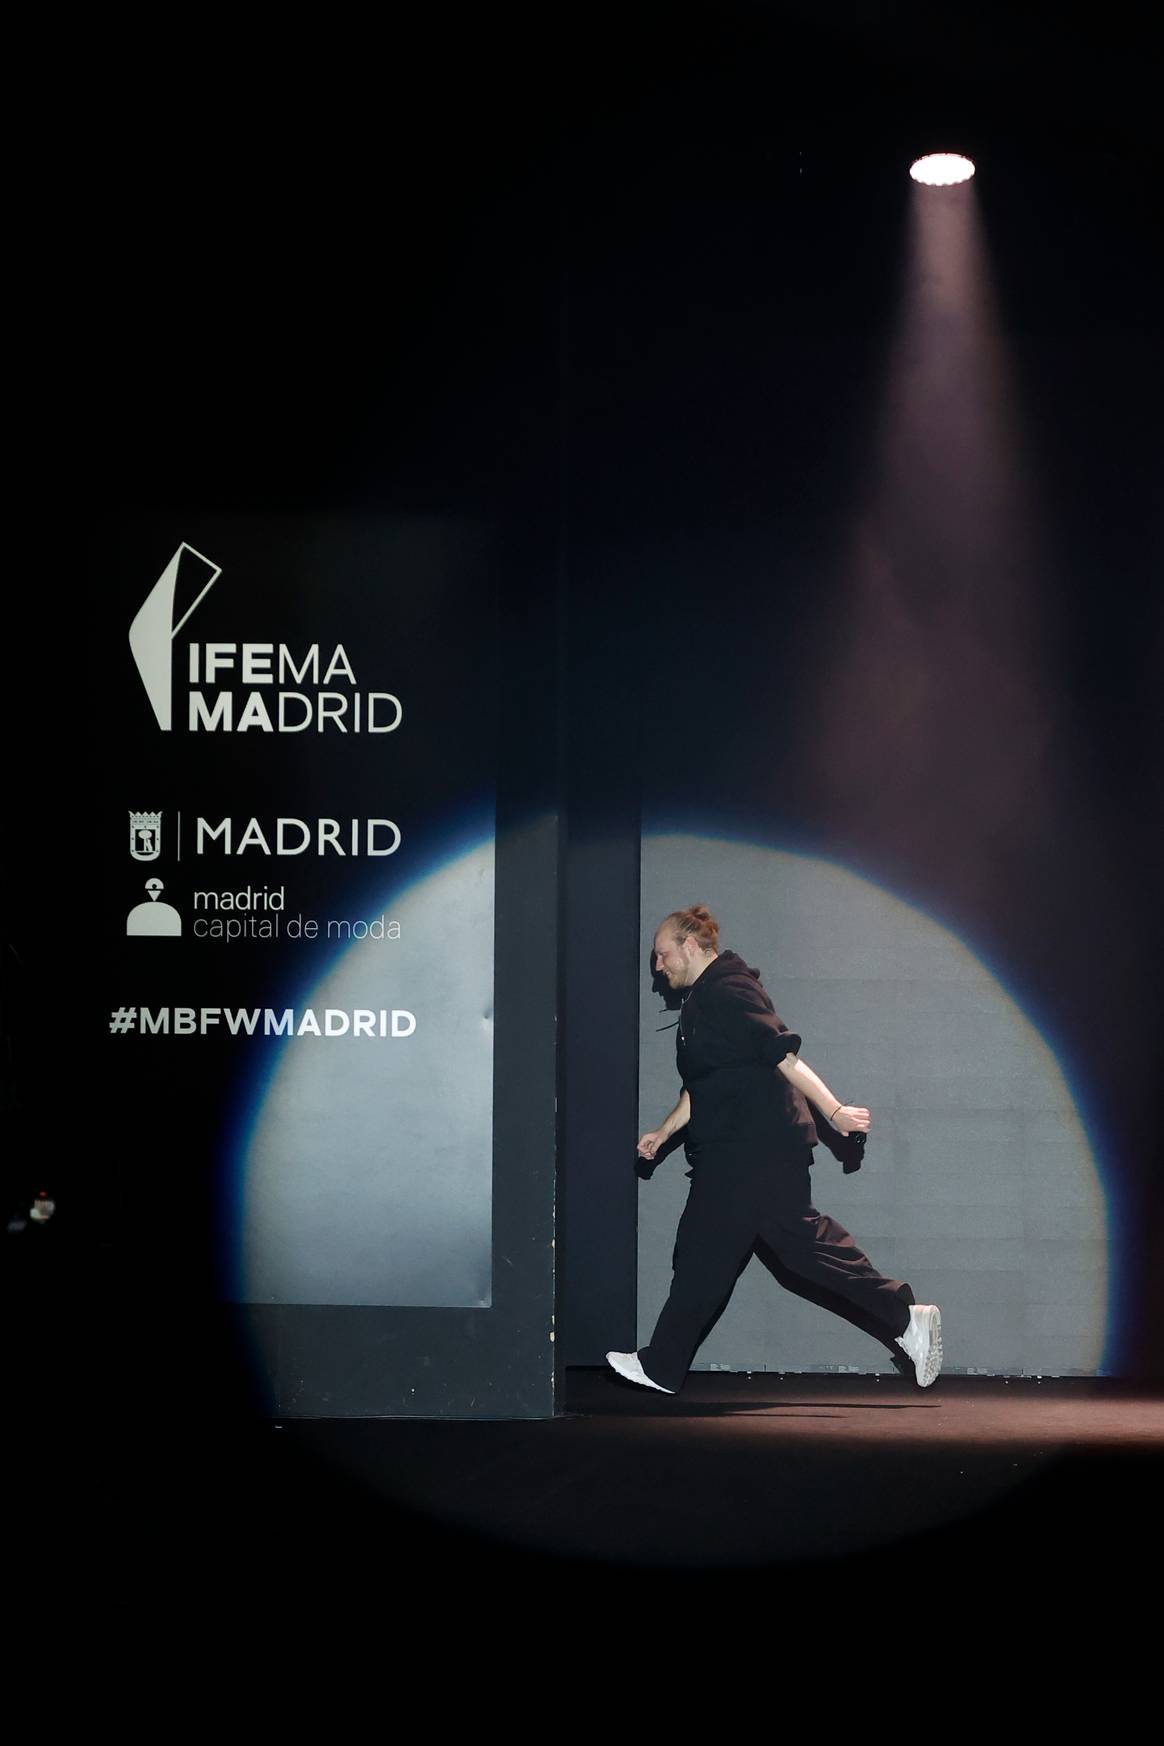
{"x":724,"y":964}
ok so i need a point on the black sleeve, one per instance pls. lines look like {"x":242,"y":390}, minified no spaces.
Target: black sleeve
{"x":752,"y":1027}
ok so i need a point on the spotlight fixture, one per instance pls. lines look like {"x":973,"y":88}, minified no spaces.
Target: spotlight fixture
{"x":940,"y":169}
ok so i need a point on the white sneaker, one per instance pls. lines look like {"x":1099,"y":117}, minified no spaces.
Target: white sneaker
{"x":627,"y":1364}
{"x":922,"y":1341}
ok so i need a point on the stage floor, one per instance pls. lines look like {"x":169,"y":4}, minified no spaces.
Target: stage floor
{"x":749,"y":1471}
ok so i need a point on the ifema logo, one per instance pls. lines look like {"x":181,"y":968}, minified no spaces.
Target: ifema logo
{"x":152,"y":633}
{"x":232,"y":687}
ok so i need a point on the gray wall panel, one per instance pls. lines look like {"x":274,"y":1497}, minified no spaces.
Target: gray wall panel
{"x":979,"y":1186}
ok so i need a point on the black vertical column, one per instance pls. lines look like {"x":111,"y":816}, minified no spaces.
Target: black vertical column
{"x":602,"y":668}
{"x":598,"y":1187}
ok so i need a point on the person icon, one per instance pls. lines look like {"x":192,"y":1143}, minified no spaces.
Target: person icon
{"x":153,"y":917}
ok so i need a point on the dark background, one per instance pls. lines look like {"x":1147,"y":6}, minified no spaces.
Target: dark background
{"x":618,"y":282}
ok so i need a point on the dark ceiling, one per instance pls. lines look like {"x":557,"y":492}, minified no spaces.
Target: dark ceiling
{"x":349,"y":220}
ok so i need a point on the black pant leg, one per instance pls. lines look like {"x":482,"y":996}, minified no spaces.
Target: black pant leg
{"x":818,"y":1248}
{"x":715,"y":1235}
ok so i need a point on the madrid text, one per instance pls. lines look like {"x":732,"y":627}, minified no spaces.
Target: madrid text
{"x":373,"y":837}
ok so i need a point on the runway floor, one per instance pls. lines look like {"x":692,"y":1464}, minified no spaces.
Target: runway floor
{"x":740,"y":1472}
{"x":627,"y":1511}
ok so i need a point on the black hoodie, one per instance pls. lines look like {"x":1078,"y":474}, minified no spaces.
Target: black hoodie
{"x":728,"y":1044}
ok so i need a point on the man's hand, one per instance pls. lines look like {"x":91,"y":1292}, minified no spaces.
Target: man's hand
{"x":850,"y":1119}
{"x":679,"y":1117}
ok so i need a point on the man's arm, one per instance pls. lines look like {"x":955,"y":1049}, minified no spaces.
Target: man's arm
{"x":679,"y":1117}
{"x":846,"y":1118}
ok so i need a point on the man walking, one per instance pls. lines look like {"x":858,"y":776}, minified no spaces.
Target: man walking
{"x":749,"y":1134}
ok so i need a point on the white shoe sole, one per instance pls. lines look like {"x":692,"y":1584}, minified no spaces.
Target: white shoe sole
{"x":927,"y":1359}
{"x":618,"y":1361}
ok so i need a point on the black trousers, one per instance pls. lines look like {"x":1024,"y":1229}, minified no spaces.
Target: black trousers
{"x":740,"y":1193}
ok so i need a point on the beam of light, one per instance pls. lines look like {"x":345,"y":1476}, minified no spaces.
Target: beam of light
{"x":954,"y":703}
{"x":953,"y":753}
{"x":941,"y":169}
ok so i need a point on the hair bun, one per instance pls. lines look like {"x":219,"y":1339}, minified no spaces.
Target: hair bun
{"x":695,"y":921}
